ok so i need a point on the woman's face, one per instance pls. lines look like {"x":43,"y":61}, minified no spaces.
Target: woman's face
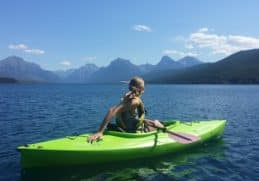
{"x":141,"y":91}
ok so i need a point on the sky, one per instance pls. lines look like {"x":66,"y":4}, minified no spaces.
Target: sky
{"x":68,"y":34}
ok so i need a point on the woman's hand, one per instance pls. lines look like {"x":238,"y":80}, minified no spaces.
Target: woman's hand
{"x":94,"y":137}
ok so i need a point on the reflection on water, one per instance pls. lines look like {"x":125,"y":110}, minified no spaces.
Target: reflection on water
{"x":180,"y":166}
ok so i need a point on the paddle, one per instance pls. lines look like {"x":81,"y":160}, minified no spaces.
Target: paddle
{"x":184,"y":138}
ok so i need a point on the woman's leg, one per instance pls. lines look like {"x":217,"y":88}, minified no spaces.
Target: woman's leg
{"x":153,"y":124}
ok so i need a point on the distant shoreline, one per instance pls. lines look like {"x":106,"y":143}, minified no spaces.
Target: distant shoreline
{"x":148,"y":83}
{"x":7,"y":80}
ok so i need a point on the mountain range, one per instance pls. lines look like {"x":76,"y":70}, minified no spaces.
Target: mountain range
{"x":18,"y":69}
{"x":240,"y":67}
{"x":122,"y":69}
{"x":119,"y":69}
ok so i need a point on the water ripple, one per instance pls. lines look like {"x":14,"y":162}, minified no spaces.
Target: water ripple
{"x":30,"y":113}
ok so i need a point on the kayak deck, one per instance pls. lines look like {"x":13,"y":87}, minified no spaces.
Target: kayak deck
{"x":115,"y":146}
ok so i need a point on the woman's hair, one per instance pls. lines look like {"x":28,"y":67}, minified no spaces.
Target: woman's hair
{"x":136,"y":86}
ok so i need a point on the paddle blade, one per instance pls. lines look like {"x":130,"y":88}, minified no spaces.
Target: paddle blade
{"x":184,"y":138}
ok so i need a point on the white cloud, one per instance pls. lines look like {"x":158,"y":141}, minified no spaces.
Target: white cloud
{"x":191,"y":54}
{"x":142,"y":28}
{"x":35,"y":51}
{"x":179,"y":53}
{"x":26,"y":49}
{"x":203,"y":30}
{"x":243,"y":41}
{"x":66,"y":63}
{"x":173,"y":52}
{"x":17,"y":46}
{"x":221,"y":44}
{"x":189,"y":46}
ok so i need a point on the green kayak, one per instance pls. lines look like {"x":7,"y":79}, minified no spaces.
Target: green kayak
{"x":118,"y":146}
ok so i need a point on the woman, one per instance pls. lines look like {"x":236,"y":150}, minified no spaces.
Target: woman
{"x":130,"y":113}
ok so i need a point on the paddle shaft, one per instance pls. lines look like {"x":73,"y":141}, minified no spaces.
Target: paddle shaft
{"x":164,"y":129}
{"x":176,"y":134}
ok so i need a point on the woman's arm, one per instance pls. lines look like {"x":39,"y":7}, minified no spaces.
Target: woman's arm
{"x":108,"y":117}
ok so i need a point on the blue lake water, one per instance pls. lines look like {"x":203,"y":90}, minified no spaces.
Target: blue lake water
{"x":37,"y":112}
